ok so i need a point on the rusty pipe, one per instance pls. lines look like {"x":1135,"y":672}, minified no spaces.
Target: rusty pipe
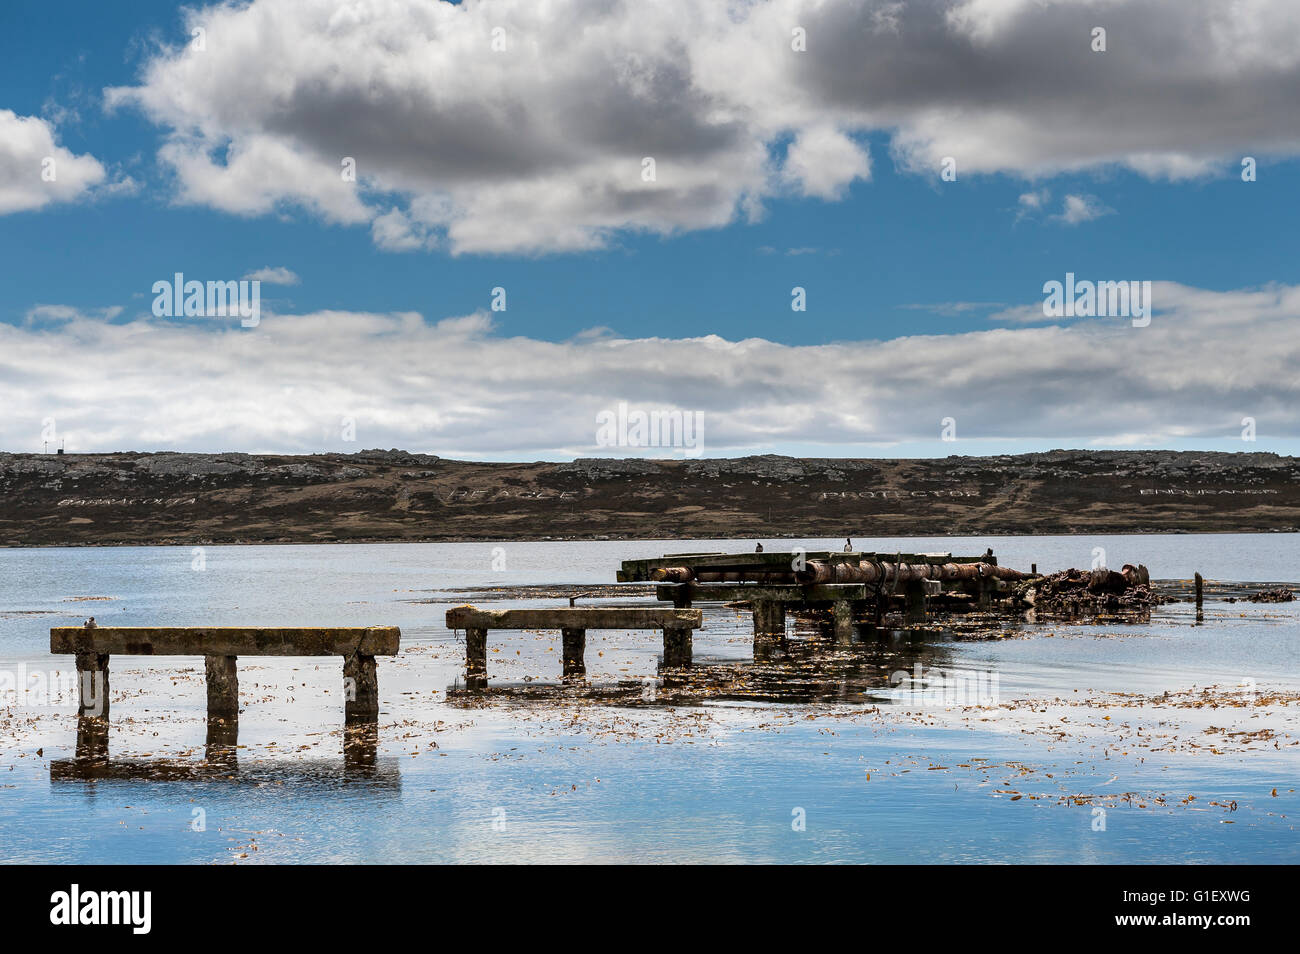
{"x":1136,"y":575}
{"x":672,"y":574}
{"x":864,"y":571}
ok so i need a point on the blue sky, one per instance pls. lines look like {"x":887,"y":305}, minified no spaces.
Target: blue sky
{"x":877,"y":255}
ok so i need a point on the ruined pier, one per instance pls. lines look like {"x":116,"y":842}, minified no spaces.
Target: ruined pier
{"x":573,"y":623}
{"x":854,"y":588}
{"x":220,"y":647}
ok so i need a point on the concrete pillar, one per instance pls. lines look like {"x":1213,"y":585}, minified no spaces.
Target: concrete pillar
{"x":476,"y":658}
{"x":985,"y":594}
{"x":862,"y":609}
{"x":769,"y":618}
{"x":92,"y":682}
{"x":361,"y":682}
{"x":223,"y":686}
{"x":360,"y":749}
{"x":915,"y":597}
{"x":574,"y":649}
{"x":842,"y":622}
{"x":92,"y":739}
{"x":769,"y":629}
{"x":677,"y":646}
{"x":222,"y":748}
{"x":682,"y":597}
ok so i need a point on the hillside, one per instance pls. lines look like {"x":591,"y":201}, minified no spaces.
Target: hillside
{"x":48,"y":500}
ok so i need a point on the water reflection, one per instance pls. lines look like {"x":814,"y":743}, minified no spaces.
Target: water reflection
{"x":221,"y":762}
{"x":808,"y":670}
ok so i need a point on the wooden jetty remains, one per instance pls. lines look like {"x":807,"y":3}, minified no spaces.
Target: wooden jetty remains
{"x":221,"y":646}
{"x":854,"y":587}
{"x":573,"y":623}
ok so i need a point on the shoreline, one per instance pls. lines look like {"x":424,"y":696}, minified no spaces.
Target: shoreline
{"x":604,"y":538}
{"x":169,"y":499}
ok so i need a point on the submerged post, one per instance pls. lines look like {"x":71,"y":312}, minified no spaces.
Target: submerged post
{"x":361,"y":682}
{"x":842,"y":619}
{"x":1200,"y":586}
{"x":92,"y":684}
{"x":915,"y":597}
{"x":223,"y":686}
{"x":92,"y":739}
{"x":574,"y":647}
{"x":475,"y":658}
{"x":769,"y":628}
{"x":222,"y":747}
{"x":677,"y":646}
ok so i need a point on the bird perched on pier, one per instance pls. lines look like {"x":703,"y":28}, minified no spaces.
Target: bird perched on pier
{"x":848,"y":545}
{"x":758,"y":548}
{"x":90,"y":623}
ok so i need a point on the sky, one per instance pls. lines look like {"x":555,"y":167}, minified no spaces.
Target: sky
{"x":463,"y":249}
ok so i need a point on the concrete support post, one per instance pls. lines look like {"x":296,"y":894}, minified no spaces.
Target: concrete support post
{"x":360,"y":749}
{"x":842,"y":622}
{"x":677,"y":647}
{"x":915,"y":597}
{"x":476,"y":658}
{"x":769,"y":628}
{"x":682,"y":597}
{"x":92,"y":739}
{"x":574,"y":647}
{"x":222,"y":747}
{"x":92,"y":683}
{"x":361,"y":682}
{"x":223,"y":686}
{"x":986,"y":594}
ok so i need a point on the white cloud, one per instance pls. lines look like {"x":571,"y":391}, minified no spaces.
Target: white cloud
{"x":1033,"y":201}
{"x":823,"y":162}
{"x":35,"y":171}
{"x":539,"y":148}
{"x":278,"y":275}
{"x":1081,"y":208}
{"x":394,"y":231}
{"x":58,"y":313}
{"x":455,"y":387}
{"x":953,"y":309}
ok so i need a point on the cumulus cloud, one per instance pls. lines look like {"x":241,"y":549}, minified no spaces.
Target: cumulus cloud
{"x":1081,"y":208}
{"x":512,"y":126}
{"x":35,"y":171}
{"x":952,"y":309}
{"x":1034,"y":200}
{"x":456,"y":387}
{"x":279,"y":275}
{"x":823,"y":162}
{"x":60,"y":313}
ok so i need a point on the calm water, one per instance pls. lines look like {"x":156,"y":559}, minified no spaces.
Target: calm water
{"x":633,"y":772}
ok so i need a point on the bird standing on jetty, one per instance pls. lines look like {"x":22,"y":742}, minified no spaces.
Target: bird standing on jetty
{"x":758,"y":548}
{"x":848,"y":545}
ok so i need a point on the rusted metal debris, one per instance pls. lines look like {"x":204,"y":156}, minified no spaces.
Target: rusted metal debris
{"x":1280,"y":595}
{"x":1076,"y":590}
{"x":874,"y":571}
{"x":881,"y":571}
